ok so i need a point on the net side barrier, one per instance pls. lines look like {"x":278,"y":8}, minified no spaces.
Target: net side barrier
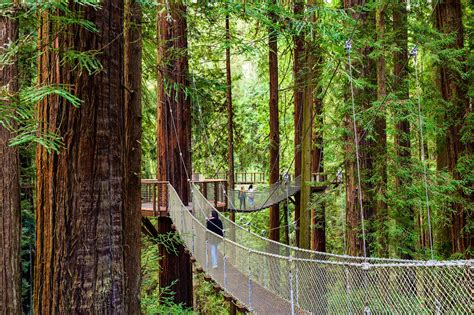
{"x":245,"y":201}
{"x":327,"y":285}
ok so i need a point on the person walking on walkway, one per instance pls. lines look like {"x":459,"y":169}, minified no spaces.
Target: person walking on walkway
{"x":242,"y":198}
{"x":214,"y":224}
{"x":251,"y":196}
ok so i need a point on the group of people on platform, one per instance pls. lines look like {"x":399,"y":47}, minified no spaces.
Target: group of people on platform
{"x":244,"y":195}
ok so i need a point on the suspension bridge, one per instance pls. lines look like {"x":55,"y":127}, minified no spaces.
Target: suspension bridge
{"x":271,"y":277}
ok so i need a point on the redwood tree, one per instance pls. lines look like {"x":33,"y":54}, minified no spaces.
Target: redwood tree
{"x":364,"y":96}
{"x":451,"y":147}
{"x":10,"y":226}
{"x":81,"y":199}
{"x":174,"y":138}
{"x":274,"y":127}
{"x":405,"y":213}
{"x":133,"y":130}
{"x":298,"y":100}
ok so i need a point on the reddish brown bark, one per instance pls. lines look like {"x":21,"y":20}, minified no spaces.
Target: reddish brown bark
{"x":81,"y":191}
{"x":173,"y":110}
{"x":298,"y":100}
{"x":133,"y":129}
{"x":10,"y":225}
{"x":174,"y":137}
{"x":274,"y":127}
{"x":453,"y":90}
{"x":314,"y":62}
{"x":363,"y":100}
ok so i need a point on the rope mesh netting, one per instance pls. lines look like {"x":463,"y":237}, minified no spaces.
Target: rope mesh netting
{"x":264,"y":275}
{"x":246,"y":201}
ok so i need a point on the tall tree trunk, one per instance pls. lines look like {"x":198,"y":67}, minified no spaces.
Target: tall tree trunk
{"x":314,"y":63}
{"x":405,"y":213}
{"x":173,"y":109}
{"x":10,"y":225}
{"x":230,"y":114}
{"x":298,"y":100}
{"x":380,"y":145}
{"x":174,"y":138}
{"x":133,"y":130}
{"x":363,"y":100}
{"x":453,"y":89}
{"x":274,"y":127}
{"x":81,"y":191}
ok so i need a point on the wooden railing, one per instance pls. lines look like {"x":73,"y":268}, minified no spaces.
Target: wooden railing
{"x":247,"y":177}
{"x":213,"y":190}
{"x":333,"y":178}
{"x":155,"y":194}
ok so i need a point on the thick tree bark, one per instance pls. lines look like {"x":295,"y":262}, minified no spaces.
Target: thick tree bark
{"x":298,"y":100}
{"x":314,"y":63}
{"x":230,"y":114}
{"x":363,"y":100}
{"x":133,"y":130}
{"x":453,"y":89}
{"x":405,"y":214}
{"x":274,"y":127}
{"x":81,"y":191}
{"x":173,"y":109}
{"x":174,"y":138}
{"x":380,"y":145}
{"x":10,"y":224}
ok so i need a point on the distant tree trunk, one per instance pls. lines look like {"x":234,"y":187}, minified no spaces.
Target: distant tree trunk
{"x":380,"y":145}
{"x":174,"y":138}
{"x":274,"y":127}
{"x":314,"y":63}
{"x":230,"y":114}
{"x":10,"y":225}
{"x":363,"y":100}
{"x":133,"y":130}
{"x":81,"y":191}
{"x":405,"y":213}
{"x":298,"y":100}
{"x":174,"y":109}
{"x":453,"y":89}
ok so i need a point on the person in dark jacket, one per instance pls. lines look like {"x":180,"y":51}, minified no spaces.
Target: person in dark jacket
{"x":214,"y":224}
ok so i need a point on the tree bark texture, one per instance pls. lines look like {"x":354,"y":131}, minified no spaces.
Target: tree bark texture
{"x":314,"y":62}
{"x":174,"y":138}
{"x":81,"y":191}
{"x":451,"y":149}
{"x":176,"y":274}
{"x":133,"y":130}
{"x":10,"y":215}
{"x":363,"y":68}
{"x":230,"y":113}
{"x":298,"y":100}
{"x":405,"y":214}
{"x":274,"y":127}
{"x":174,"y":109}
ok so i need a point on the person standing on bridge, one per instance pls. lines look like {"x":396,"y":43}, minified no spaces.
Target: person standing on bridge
{"x":214,"y":224}
{"x":251,"y":196}
{"x":242,"y":198}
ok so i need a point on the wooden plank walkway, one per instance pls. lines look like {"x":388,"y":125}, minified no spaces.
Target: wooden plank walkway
{"x":263,"y":300}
